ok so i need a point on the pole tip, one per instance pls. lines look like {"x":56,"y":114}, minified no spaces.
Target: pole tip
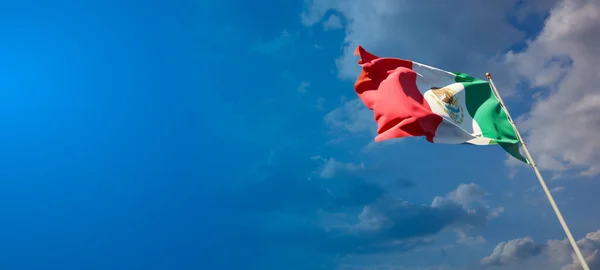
{"x":488,"y":75}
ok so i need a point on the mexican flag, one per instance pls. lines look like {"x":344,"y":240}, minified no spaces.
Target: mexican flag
{"x":412,"y":99}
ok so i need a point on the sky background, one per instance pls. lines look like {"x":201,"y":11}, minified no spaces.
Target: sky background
{"x":227,"y":135}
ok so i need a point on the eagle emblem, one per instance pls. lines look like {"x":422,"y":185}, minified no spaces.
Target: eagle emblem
{"x":448,"y":101}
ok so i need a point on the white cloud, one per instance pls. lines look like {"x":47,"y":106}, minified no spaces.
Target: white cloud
{"x":303,"y":87}
{"x":471,"y":198}
{"x":332,"y":168}
{"x":466,"y":194}
{"x":333,"y":22}
{"x":354,"y":120}
{"x":590,"y":248}
{"x":463,"y":238}
{"x":388,"y":212}
{"x":515,"y":250}
{"x":562,"y":127}
{"x":397,"y":223}
{"x":558,"y":251}
{"x":557,"y":189}
{"x":353,"y":117}
{"x":424,"y":32}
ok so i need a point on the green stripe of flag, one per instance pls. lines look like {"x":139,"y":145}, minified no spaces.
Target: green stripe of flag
{"x":486,"y":110}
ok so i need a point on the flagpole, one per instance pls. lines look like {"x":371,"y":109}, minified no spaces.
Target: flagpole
{"x":562,"y":221}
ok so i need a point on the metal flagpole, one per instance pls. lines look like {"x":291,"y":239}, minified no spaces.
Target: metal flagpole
{"x":562,"y":221}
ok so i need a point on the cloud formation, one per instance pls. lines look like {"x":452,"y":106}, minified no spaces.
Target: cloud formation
{"x":562,"y":62}
{"x":333,"y":23}
{"x":332,"y":167}
{"x":343,"y":214}
{"x":558,"y":251}
{"x":389,"y":220}
{"x":303,"y":87}
{"x":464,"y":195}
{"x":422,"y":31}
{"x":589,"y":245}
{"x":352,"y":118}
{"x":515,"y":250}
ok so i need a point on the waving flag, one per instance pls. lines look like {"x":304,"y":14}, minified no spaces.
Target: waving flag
{"x":413,"y":99}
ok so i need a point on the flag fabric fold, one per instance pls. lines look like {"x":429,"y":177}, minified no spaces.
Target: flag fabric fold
{"x":410,"y":99}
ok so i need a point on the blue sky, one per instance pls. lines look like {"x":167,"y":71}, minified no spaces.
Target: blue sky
{"x":227,"y":135}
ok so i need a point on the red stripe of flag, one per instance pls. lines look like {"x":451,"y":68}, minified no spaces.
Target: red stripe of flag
{"x":388,"y":86}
